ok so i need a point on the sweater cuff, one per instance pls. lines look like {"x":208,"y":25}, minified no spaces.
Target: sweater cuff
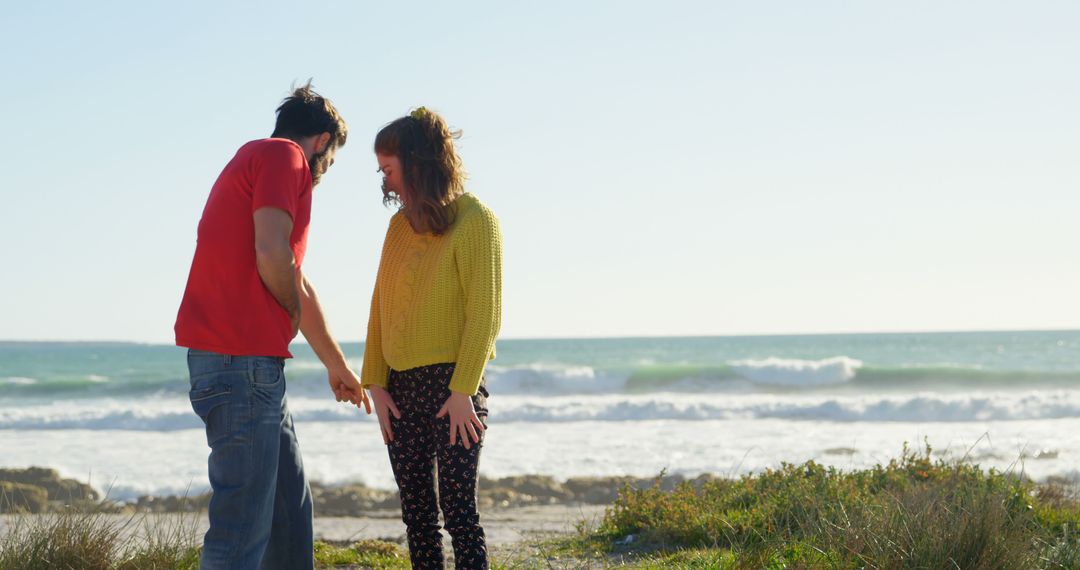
{"x":380,"y":378}
{"x":465,"y":382}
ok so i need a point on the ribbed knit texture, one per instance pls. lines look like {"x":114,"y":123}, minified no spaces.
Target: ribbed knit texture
{"x":437,"y":298}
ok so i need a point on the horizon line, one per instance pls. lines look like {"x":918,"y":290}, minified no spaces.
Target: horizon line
{"x":624,"y":337}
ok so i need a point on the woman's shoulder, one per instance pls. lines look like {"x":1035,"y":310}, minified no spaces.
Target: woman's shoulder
{"x":470,"y":211}
{"x":475,"y":223}
{"x":397,"y":226}
{"x":397,"y":219}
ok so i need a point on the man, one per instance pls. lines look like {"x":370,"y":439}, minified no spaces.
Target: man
{"x":246,"y":298}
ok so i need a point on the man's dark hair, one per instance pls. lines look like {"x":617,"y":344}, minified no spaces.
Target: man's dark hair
{"x":306,"y":113}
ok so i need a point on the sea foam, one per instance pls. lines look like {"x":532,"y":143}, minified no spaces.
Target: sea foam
{"x":922,"y":407}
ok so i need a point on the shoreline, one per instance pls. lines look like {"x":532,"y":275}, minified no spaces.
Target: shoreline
{"x":41,"y":490}
{"x":515,"y":511}
{"x":914,"y":507}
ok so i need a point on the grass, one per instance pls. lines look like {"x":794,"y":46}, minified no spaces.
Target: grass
{"x":85,"y":538}
{"x":376,"y":554}
{"x":913,"y":512}
{"x":92,"y":539}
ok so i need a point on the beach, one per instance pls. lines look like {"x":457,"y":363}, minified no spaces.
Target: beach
{"x":914,"y":511}
{"x":518,"y":512}
{"x":116,"y":415}
{"x":504,"y":527}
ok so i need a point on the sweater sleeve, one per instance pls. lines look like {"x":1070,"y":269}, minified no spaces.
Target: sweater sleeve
{"x":479,"y":262}
{"x":375,"y":372}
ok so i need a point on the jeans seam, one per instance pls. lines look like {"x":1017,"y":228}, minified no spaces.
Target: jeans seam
{"x":249,"y":442}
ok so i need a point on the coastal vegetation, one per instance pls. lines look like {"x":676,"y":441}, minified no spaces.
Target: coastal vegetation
{"x":913,"y":512}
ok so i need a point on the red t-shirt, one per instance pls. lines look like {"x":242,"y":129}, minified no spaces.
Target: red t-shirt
{"x":226,"y":308}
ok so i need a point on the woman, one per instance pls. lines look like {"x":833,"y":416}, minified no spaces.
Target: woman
{"x":435,"y":314}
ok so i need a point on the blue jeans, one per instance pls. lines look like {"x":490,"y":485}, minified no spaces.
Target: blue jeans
{"x":260,"y":512}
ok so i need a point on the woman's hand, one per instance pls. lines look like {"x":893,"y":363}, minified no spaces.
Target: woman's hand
{"x":463,"y":419}
{"x":384,"y":406}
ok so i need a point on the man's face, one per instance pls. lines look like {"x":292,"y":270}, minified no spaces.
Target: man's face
{"x":393,"y":179}
{"x":320,"y":163}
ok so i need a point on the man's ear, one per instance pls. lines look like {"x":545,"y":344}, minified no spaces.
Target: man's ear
{"x":321,"y":142}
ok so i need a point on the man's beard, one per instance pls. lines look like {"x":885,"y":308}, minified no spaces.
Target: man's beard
{"x":318,"y":164}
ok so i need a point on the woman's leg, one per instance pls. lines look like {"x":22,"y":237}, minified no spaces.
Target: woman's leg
{"x":412,"y":457}
{"x":457,"y":489}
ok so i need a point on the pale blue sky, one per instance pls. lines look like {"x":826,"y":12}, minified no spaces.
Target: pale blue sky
{"x":678,"y":168}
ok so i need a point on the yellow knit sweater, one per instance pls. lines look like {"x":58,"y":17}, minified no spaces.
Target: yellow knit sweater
{"x":437,"y":298}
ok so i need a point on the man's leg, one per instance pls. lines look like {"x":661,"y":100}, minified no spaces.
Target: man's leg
{"x":231,"y":395}
{"x":291,"y":537}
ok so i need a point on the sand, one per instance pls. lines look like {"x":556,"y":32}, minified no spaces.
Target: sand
{"x":505,"y":527}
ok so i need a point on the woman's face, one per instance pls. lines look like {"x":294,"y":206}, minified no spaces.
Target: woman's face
{"x":393,"y":180}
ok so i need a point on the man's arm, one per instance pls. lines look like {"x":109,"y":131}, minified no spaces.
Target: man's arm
{"x":313,"y":325}
{"x":343,"y":381}
{"x":275,"y":262}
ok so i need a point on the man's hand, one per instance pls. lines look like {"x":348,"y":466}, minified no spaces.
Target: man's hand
{"x":464,"y":422}
{"x":346,"y":387}
{"x":384,"y":406}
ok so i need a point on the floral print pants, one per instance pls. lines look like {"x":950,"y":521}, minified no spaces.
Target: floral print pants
{"x":420,"y":453}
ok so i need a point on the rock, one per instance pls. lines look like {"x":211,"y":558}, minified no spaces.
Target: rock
{"x":666,"y":482}
{"x":22,"y":498}
{"x":597,"y":490}
{"x":59,"y":491}
{"x":351,"y":500}
{"x":527,"y":489}
{"x":172,"y":504}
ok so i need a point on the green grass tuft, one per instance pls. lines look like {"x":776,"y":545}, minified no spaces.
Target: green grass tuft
{"x":88,"y":538}
{"x":913,"y":512}
{"x":376,"y":554}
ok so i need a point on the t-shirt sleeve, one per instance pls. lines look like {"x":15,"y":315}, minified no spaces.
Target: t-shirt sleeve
{"x":278,"y":177}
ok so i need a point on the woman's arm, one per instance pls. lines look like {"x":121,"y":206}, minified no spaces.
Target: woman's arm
{"x":375,"y":371}
{"x":479,"y":260}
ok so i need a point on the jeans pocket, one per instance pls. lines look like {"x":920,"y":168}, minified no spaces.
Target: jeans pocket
{"x":267,"y":385}
{"x":267,"y":371}
{"x":210,"y":402}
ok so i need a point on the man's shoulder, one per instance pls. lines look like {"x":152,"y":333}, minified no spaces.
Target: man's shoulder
{"x":278,"y":148}
{"x":283,"y":156}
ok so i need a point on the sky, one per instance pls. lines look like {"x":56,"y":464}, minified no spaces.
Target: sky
{"x":658,"y":169}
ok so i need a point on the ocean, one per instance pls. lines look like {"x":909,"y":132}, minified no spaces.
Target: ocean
{"x":117,"y":414}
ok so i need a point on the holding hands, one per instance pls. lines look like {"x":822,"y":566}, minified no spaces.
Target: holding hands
{"x":346,"y":387}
